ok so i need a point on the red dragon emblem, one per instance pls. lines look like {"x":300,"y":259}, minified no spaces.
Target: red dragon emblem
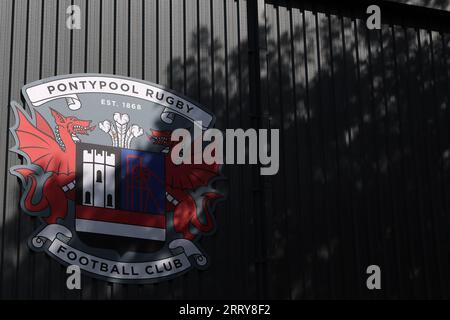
{"x":52,"y":152}
{"x":179,"y":180}
{"x":108,"y":197}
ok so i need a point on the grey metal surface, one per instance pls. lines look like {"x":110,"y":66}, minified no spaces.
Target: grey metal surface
{"x":435,"y":4}
{"x":364,"y":175}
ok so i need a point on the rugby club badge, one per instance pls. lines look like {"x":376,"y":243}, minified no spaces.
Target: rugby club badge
{"x":98,"y":174}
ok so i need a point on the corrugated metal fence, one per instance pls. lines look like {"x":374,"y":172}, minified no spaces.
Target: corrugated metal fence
{"x":365,"y":142}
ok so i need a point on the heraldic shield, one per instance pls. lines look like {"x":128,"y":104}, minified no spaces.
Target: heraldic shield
{"x":120,"y":192}
{"x":98,"y":175}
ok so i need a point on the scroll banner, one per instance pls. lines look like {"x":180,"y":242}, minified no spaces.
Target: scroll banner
{"x":70,"y":88}
{"x":59,"y":236}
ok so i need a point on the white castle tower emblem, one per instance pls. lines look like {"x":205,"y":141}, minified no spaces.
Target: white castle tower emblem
{"x":99,"y":168}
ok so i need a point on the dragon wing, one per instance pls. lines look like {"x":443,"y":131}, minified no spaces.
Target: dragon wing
{"x":39,"y":144}
{"x":190,"y":176}
{"x":43,"y":125}
{"x":184,"y":176}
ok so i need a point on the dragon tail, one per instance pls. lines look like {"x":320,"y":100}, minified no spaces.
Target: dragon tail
{"x":185,"y":214}
{"x":205,"y":228}
{"x":30,"y":187}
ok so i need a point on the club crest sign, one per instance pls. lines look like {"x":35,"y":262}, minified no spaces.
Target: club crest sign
{"x":98,"y":174}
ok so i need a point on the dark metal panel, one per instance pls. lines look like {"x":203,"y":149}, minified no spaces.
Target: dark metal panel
{"x":300,"y":228}
{"x":350,"y":88}
{"x":441,"y":5}
{"x":164,"y":41}
{"x":441,"y":112}
{"x":218,"y":86}
{"x":391,"y":184}
{"x":108,"y":22}
{"x":32,"y":66}
{"x":350,"y":75}
{"x":11,"y":257}
{"x":419,"y":155}
{"x":342,"y":244}
{"x":330,"y":247}
{"x":136,"y":39}
{"x":320,"y":278}
{"x":93,"y":25}
{"x":393,"y":13}
{"x":150,"y":33}
{"x":400,"y":43}
{"x":191,"y":88}
{"x":364,"y":153}
{"x":248,"y":240}
{"x":382,"y":173}
{"x":79,"y":39}
{"x":274,"y":187}
{"x":442,"y":58}
{"x":432,"y":136}
{"x":335,"y":247}
{"x":46,"y":64}
{"x":204,"y":56}
{"x":232,"y":248}
{"x":372,"y":124}
{"x":288,"y":171}
{"x":6,"y":18}
{"x":178,"y":46}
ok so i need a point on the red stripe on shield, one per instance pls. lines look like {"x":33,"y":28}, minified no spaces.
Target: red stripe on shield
{"x":121,"y":216}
